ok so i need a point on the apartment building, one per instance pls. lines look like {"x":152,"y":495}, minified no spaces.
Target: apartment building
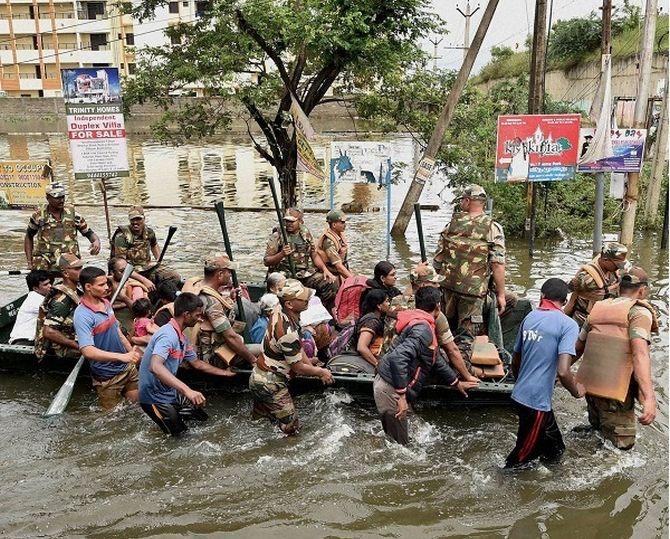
{"x":38,"y":38}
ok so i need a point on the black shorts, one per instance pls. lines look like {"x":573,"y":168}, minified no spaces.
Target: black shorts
{"x":538,"y":436}
{"x":171,"y":417}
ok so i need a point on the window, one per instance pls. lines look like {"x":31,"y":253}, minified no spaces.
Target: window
{"x":174,"y":7}
{"x":131,"y":69}
{"x":130,"y":39}
{"x":185,"y":4}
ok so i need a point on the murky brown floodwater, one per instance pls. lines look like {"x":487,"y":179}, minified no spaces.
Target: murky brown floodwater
{"x":94,"y":475}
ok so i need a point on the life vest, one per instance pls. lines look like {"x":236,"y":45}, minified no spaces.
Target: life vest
{"x":607,"y":365}
{"x":465,"y":254}
{"x":139,"y":251}
{"x":340,"y":245}
{"x":598,"y":275}
{"x":348,"y":299}
{"x":54,"y":237}
{"x":61,"y":292}
{"x":301,"y":242}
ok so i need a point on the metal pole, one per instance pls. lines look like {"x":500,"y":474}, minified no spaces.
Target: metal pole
{"x":664,"y":234}
{"x":600,"y":205}
{"x":388,"y":218}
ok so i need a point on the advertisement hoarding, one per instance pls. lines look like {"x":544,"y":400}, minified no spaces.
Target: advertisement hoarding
{"x":22,"y":184}
{"x":628,"y":147}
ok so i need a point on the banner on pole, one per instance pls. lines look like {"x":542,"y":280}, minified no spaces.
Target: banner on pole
{"x":22,"y":184}
{"x":627,"y":146}
{"x":537,"y":147}
{"x":304,"y":132}
{"x":95,"y":124}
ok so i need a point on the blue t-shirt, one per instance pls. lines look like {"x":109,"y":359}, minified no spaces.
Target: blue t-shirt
{"x":258,"y":330}
{"x":173,"y":346}
{"x":99,"y":328}
{"x":543,"y":335}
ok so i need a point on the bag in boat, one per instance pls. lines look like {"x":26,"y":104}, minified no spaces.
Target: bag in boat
{"x":348,"y":299}
{"x":342,"y":342}
{"x":350,"y":363}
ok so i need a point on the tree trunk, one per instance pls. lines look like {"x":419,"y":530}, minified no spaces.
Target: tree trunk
{"x":288,"y":178}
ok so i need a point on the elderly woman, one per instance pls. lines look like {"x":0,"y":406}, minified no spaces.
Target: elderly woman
{"x":266,"y":305}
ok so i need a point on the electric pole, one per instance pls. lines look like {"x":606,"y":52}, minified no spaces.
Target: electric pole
{"x":466,"y":32}
{"x":658,"y":163}
{"x":435,"y":43}
{"x":536,"y":104}
{"x":639,"y":119}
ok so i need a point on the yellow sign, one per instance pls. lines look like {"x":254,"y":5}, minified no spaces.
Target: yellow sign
{"x":22,"y":184}
{"x":306,"y":158}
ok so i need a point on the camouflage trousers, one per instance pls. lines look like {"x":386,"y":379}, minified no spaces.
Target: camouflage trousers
{"x":615,"y":420}
{"x":160,"y":274}
{"x":324,"y":289}
{"x":463,"y":312}
{"x":273,"y":400}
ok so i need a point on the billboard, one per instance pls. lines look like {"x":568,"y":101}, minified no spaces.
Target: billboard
{"x":22,"y":184}
{"x":95,"y":124}
{"x":628,"y":148}
{"x":537,"y":147}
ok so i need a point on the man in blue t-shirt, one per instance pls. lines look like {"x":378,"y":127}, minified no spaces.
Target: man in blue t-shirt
{"x":544,"y":345}
{"x":166,"y":399}
{"x":110,"y":356}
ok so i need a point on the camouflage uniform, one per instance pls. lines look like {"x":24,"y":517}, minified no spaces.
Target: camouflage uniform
{"x":616,"y":420}
{"x":54,"y":237}
{"x":216,"y":314}
{"x":137,"y":251}
{"x":333,"y":249}
{"x":57,"y":312}
{"x":466,"y":249}
{"x":306,"y":272}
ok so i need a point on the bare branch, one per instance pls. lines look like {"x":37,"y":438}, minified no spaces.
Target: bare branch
{"x":263,"y":123}
{"x":262,"y":151}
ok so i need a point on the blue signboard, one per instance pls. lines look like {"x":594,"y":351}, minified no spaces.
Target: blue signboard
{"x":628,"y":148}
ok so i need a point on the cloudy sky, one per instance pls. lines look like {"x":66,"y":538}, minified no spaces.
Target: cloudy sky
{"x":511,"y":23}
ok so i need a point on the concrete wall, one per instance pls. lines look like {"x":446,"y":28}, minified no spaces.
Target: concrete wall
{"x":578,"y":85}
{"x":47,"y":115}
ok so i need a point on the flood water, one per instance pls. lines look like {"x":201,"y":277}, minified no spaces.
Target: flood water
{"x":94,"y":475}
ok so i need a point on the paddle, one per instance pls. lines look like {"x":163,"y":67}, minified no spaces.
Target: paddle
{"x":170,"y":233}
{"x":221,"y":214}
{"x":62,"y":398}
{"x":419,"y":228}
{"x":280,"y":217}
{"x":14,"y":272}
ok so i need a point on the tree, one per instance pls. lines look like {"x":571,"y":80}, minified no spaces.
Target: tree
{"x":258,"y":53}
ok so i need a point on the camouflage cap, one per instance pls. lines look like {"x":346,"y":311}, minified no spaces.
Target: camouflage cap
{"x":294,"y":289}
{"x":68,"y":260}
{"x":635,"y":276}
{"x":616,"y":252}
{"x":220,"y":261}
{"x":56,"y":190}
{"x":136,"y":212}
{"x":333,"y":216}
{"x":424,"y":273}
{"x":292,"y":214}
{"x":474,"y":191}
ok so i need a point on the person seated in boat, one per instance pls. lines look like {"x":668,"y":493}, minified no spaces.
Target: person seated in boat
{"x":266,"y":305}
{"x":143,"y":326}
{"x":55,"y":334}
{"x":281,"y":358}
{"x":385,"y":278}
{"x":163,"y":397}
{"x":216,"y":341}
{"x":301,"y":250}
{"x":39,"y":284}
{"x":421,"y":276}
{"x":135,"y":288}
{"x":274,"y":282}
{"x":167,"y":292}
{"x":369,"y":328}
{"x":413,"y":355}
{"x":316,"y":332}
{"x":332,"y":246}
{"x":136,"y":243}
{"x":110,"y":355}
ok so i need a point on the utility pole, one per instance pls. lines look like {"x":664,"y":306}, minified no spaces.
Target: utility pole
{"x":435,"y":43}
{"x":536,"y":104}
{"x":427,"y":163}
{"x":639,"y":117}
{"x":466,"y":32}
{"x":658,"y":164}
{"x":606,"y":48}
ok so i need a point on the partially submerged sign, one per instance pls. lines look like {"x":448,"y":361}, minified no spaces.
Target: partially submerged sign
{"x":627,"y":146}
{"x":537,"y":147}
{"x":22,"y":184}
{"x":95,"y":123}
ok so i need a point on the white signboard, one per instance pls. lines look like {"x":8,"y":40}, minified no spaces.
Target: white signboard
{"x":364,"y":162}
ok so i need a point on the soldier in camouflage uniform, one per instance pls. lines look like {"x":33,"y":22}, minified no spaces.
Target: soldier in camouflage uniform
{"x":52,"y":231}
{"x":136,"y":243}
{"x":333,"y":247}
{"x":636,"y":318}
{"x":310,"y":269}
{"x":282,"y":357}
{"x":471,"y":248}
{"x":421,"y":276}
{"x":595,"y":281}
{"x":55,"y":334}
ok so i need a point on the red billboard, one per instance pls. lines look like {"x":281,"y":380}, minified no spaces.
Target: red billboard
{"x":537,"y":147}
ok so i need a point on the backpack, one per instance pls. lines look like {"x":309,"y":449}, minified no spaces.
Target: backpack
{"x":342,"y":342}
{"x":348,"y":300}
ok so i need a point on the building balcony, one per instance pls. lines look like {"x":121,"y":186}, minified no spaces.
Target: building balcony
{"x":101,"y":26}
{"x":30,"y":56}
{"x":21,"y":26}
{"x":29,"y":82}
{"x":95,"y":57}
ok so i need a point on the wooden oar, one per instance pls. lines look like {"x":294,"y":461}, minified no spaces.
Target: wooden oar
{"x":419,"y":228}
{"x":221,"y":214}
{"x":14,"y":272}
{"x":170,"y":233}
{"x":282,"y":228}
{"x":62,"y":398}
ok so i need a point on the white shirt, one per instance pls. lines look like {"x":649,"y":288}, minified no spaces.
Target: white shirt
{"x":26,"y":319}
